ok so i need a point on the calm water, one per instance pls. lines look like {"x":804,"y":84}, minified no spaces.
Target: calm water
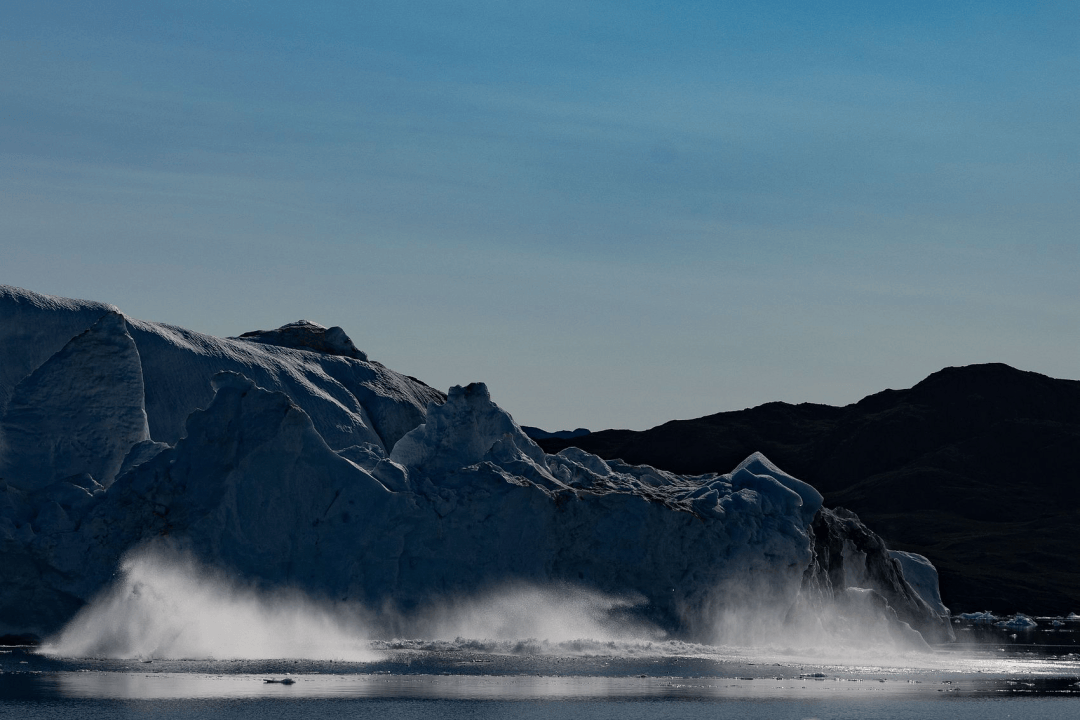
{"x":988,"y":675}
{"x":646,"y":709}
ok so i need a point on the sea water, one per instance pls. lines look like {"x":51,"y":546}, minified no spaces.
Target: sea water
{"x":986,"y":675}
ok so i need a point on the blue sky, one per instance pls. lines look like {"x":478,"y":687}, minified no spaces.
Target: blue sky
{"x":615,"y":214}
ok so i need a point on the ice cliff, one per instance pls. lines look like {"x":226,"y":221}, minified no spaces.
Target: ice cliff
{"x":289,"y":458}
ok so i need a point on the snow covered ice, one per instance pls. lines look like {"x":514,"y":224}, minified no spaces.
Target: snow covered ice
{"x":289,"y":461}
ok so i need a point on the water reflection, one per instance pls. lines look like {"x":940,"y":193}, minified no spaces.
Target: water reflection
{"x":160,"y":686}
{"x":460,"y":675}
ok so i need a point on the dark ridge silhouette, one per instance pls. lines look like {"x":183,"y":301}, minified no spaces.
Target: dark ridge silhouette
{"x":537,"y":434}
{"x":976,"y":467}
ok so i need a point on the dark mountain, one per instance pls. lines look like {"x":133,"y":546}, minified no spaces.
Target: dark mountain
{"x":537,"y":434}
{"x":976,"y":467}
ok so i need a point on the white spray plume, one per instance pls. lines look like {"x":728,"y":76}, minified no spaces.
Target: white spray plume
{"x":855,"y":626}
{"x":164,"y":604}
{"x":556,"y":613}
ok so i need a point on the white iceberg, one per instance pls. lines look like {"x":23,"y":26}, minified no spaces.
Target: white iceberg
{"x":291,"y":459}
{"x":1018,"y":622}
{"x":980,"y":618}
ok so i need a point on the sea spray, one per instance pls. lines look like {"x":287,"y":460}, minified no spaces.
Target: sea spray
{"x":557,"y":613}
{"x":165,"y":604}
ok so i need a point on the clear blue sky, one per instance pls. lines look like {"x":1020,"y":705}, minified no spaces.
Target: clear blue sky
{"x":615,"y":214}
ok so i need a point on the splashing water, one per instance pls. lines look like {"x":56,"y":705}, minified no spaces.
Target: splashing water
{"x":167,"y":605}
{"x":515,"y":611}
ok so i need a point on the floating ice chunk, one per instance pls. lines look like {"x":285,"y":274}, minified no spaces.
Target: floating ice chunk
{"x":1018,"y":622}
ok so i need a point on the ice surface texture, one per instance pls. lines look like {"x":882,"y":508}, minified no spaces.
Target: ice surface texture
{"x":80,"y":411}
{"x":319,"y":469}
{"x":923,"y":577}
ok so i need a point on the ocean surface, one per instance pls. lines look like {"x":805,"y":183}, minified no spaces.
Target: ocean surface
{"x":989,"y":673}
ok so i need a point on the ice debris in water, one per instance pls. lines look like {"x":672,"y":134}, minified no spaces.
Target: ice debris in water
{"x":1018,"y":622}
{"x":980,"y":618}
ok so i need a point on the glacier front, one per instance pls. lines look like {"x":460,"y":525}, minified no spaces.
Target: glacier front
{"x":290,"y":459}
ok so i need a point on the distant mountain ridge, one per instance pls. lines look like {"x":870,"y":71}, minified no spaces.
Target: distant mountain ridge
{"x":537,"y":434}
{"x":976,"y":467}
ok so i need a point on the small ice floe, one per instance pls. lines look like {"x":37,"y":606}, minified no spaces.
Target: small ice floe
{"x":1018,"y":622}
{"x":283,"y":681}
{"x":980,"y":618}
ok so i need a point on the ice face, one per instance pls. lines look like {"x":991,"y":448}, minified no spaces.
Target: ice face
{"x":33,"y":327}
{"x":80,"y":411}
{"x":923,"y":577}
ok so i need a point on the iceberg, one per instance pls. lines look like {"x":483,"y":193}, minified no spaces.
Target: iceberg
{"x":979,"y":618}
{"x":291,"y":459}
{"x":1018,"y":622}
